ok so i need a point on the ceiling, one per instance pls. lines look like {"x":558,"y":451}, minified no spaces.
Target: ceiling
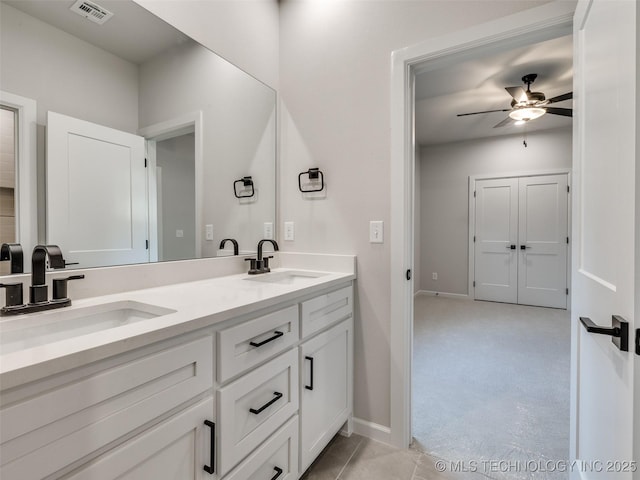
{"x":478,"y":84}
{"x":132,"y":33}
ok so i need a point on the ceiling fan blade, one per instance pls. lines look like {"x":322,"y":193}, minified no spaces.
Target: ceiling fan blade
{"x":518,"y":94}
{"x":486,"y":111}
{"x":565,"y":112}
{"x":504,"y":122}
{"x":560,"y":98}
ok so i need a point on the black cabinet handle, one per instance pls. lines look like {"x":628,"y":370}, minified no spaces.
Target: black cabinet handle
{"x":619,"y":330}
{"x":276,"y":334}
{"x":210,"y":469}
{"x":278,"y":473}
{"x":276,"y":396}
{"x":310,"y":387}
{"x":511,"y":247}
{"x":524,"y":247}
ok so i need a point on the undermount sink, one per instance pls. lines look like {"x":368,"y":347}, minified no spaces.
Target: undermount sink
{"x":22,"y":332}
{"x":290,"y":277}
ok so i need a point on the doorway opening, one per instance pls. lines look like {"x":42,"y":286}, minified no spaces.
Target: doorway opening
{"x":491,"y":380}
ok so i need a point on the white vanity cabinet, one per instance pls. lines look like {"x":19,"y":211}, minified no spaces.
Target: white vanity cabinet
{"x":52,"y":427}
{"x":251,"y":397}
{"x":326,"y":394}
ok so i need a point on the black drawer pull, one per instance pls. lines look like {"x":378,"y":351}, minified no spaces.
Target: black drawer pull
{"x":210,"y":469}
{"x":277,"y":334}
{"x":276,"y":396}
{"x":278,"y":473}
{"x":310,"y":387}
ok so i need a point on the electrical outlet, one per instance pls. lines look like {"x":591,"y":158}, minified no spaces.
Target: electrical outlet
{"x":268,"y":230}
{"x":179,"y":233}
{"x":289,"y":233}
{"x":208,"y":235}
{"x":434,"y":276}
{"x":376,"y":231}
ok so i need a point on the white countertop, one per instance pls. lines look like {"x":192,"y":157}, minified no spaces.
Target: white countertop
{"x":197,"y":304}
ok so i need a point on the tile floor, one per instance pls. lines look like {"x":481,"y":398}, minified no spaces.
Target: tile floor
{"x":359,"y":458}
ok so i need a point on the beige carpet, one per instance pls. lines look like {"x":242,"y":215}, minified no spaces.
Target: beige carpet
{"x":491,"y":386}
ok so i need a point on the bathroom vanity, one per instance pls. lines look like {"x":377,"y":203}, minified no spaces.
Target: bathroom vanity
{"x":235,"y":377}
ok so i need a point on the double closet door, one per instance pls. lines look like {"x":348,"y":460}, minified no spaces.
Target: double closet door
{"x":521,"y":240}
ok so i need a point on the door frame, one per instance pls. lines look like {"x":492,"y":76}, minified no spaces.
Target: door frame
{"x":26,"y":171}
{"x":472,"y":218}
{"x":187,"y":123}
{"x":548,"y":21}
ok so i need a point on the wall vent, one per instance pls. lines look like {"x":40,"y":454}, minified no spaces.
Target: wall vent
{"x":91,"y":11}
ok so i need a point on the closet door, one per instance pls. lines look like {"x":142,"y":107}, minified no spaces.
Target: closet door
{"x":543,"y":241}
{"x":496,"y":268}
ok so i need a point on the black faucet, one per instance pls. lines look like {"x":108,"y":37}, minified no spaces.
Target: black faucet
{"x":13,"y":252}
{"x":38,"y":291}
{"x":235,"y":245}
{"x":260,"y":264}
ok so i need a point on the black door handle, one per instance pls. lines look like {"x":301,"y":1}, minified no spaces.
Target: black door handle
{"x":278,"y":473}
{"x":638,"y":341}
{"x":524,"y":247}
{"x":310,"y":387}
{"x":619,"y":330}
{"x":276,"y":396}
{"x":210,"y":469}
{"x":511,"y":247}
{"x":276,"y":334}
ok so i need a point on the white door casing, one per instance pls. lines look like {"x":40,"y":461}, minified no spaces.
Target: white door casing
{"x":496,"y":231}
{"x":96,"y":193}
{"x":543,"y":232}
{"x":605,"y":263}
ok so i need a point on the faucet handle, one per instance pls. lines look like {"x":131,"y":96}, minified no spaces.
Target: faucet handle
{"x":60,"y":286}
{"x":265,"y":263}
{"x":13,"y":295}
{"x":253,"y":266}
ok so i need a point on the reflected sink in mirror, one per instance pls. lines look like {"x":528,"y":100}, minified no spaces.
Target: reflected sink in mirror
{"x":290,"y":277}
{"x":20,"y":333}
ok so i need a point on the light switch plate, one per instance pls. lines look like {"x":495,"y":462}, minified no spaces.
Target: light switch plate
{"x":289,"y":231}
{"x":179,"y":233}
{"x":268,"y":230}
{"x":208,"y":235}
{"x":376,"y":231}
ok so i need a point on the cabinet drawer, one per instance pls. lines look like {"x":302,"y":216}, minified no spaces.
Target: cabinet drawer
{"x":322,"y":311}
{"x":246,"y":345}
{"x":254,"y":406}
{"x":45,"y":432}
{"x":276,"y":459}
{"x":175,"y":449}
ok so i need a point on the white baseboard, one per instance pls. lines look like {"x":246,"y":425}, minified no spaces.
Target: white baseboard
{"x":374,"y":431}
{"x":459,"y":296}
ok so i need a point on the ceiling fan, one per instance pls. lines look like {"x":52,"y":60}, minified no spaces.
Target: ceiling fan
{"x":528,"y":105}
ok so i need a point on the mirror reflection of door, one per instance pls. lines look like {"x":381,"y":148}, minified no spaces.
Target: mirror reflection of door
{"x":8,"y":143}
{"x":175,"y":176}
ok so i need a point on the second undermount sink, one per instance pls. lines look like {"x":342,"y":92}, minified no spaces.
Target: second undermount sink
{"x":22,"y":332}
{"x":289,"y":277}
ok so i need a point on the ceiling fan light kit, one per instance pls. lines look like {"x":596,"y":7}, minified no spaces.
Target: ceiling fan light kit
{"x":527,"y":105}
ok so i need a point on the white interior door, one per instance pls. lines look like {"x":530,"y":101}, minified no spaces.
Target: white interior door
{"x":605,"y":266}
{"x":543,"y":241}
{"x":496,"y":221}
{"x":96,"y":193}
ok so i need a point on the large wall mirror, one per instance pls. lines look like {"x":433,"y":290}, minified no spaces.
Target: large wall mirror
{"x":144,"y":140}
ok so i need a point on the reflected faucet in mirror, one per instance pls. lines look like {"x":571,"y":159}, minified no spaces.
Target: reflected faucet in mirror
{"x":39,"y":291}
{"x":13,"y":252}
{"x":235,"y":245}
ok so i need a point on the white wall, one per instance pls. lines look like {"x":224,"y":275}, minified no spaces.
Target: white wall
{"x":444,"y":185}
{"x":65,"y":74}
{"x":245,"y":32}
{"x":335,"y":71}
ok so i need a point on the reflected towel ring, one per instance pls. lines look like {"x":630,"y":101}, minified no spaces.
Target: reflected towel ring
{"x":313,"y":174}
{"x":246,"y":182}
